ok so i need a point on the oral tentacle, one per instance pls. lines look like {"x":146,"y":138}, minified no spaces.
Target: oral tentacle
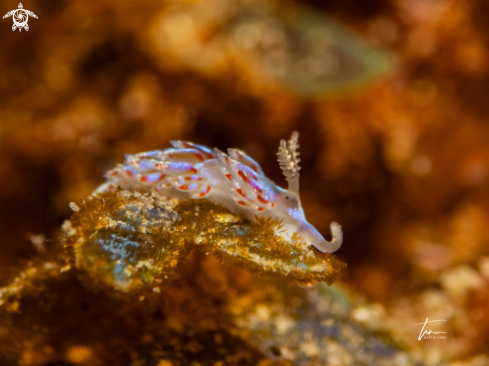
{"x":313,"y":237}
{"x":309,"y":233}
{"x":336,"y":241}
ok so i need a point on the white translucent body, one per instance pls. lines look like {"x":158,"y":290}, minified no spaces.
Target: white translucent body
{"x":235,"y":180}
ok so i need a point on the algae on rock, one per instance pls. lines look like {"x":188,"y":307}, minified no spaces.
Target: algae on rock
{"x":133,"y":240}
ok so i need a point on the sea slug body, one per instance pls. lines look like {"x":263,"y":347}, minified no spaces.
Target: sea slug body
{"x":234,"y":180}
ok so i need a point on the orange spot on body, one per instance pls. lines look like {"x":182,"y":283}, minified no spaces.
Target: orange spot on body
{"x":159,"y":166}
{"x":193,"y":170}
{"x":228,"y":176}
{"x":241,"y":192}
{"x":114,"y":173}
{"x":203,"y":193}
{"x":261,"y":209}
{"x":272,"y":204}
{"x":183,"y":187}
{"x":200,"y":157}
{"x":193,"y":178}
{"x":263,"y":199}
{"x":143,"y":179}
{"x":242,"y":175}
{"x":242,"y":203}
{"x":129,"y":173}
{"x":245,"y":177}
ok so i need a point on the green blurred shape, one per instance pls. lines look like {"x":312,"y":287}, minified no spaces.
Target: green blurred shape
{"x":309,"y":53}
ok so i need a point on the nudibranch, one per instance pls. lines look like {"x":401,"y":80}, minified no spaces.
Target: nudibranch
{"x":234,"y":180}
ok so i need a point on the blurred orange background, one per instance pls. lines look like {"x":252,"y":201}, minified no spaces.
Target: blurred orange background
{"x":391,"y":106}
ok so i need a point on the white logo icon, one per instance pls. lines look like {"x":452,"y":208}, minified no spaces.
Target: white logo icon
{"x":20,"y":17}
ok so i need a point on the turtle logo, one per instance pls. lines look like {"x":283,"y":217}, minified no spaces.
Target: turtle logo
{"x":20,"y":17}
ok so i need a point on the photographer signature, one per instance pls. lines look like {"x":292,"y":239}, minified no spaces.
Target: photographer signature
{"x":428,"y":331}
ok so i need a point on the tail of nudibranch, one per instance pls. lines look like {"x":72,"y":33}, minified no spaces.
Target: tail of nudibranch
{"x":288,"y":158}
